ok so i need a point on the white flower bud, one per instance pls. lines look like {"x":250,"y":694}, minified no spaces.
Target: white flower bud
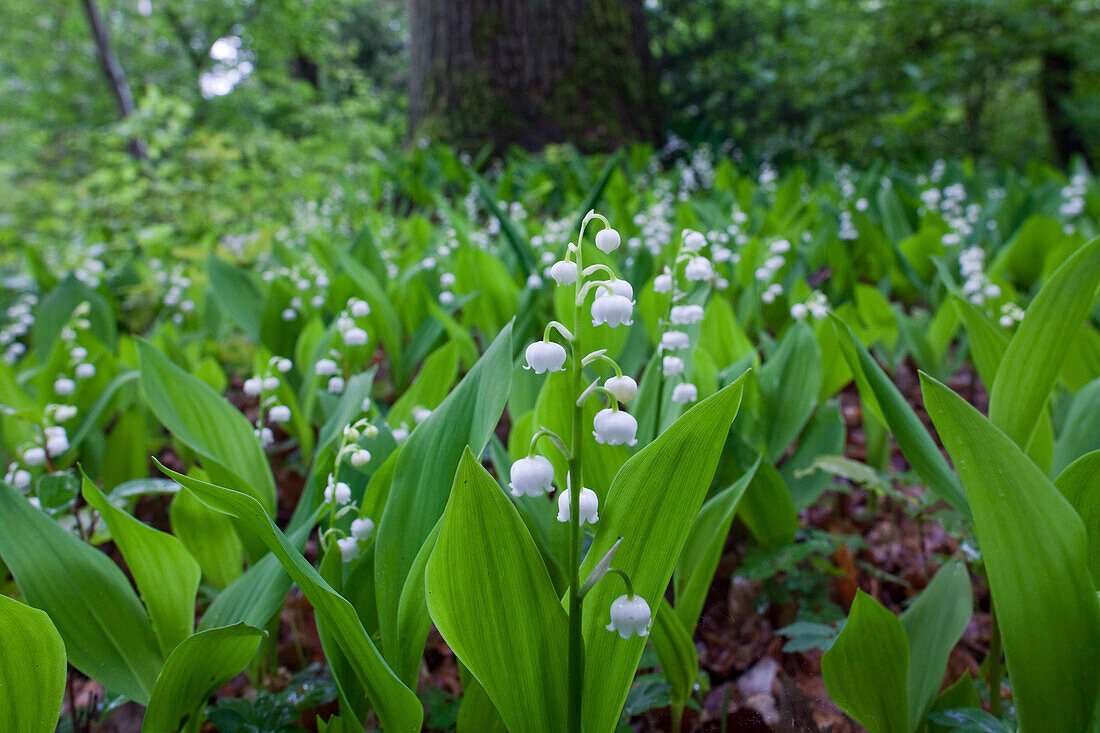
{"x":284,"y":365}
{"x":630,"y":615}
{"x":34,"y":456}
{"x":447,"y":279}
{"x":615,"y":287}
{"x":534,"y":281}
{"x":673,"y":340}
{"x":607,"y":240}
{"x":531,"y":476}
{"x":349,"y":548}
{"x":614,"y":310}
{"x":271,"y":383}
{"x":360,"y":457}
{"x":685,"y":392}
{"x":266,"y":437}
{"x":355,"y":337}
{"x":589,"y":506}
{"x":693,"y":240}
{"x":672,"y":365}
{"x":685,"y":315}
{"x":615,"y":427}
{"x":663,"y":282}
{"x":400,"y":434}
{"x":78,"y":353}
{"x":698,"y":268}
{"x":799,"y":311}
{"x":446,"y":297}
{"x":336,"y":385}
{"x":279,"y":414}
{"x":362,"y":528}
{"x":780,"y":246}
{"x":64,"y":413}
{"x":545,"y":356}
{"x":564,"y":273}
{"x":289,"y":314}
{"x":351,"y":435}
{"x":624,"y":388}
{"x":64,"y":386}
{"x":420,"y":414}
{"x":358,"y":308}
{"x":337,"y":491}
{"x":85,"y":371}
{"x":20,"y":479}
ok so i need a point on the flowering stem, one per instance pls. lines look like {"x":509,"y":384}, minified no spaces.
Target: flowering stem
{"x":554,"y":438}
{"x":576,"y":637}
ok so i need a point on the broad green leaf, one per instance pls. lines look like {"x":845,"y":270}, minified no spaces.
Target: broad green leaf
{"x":1080,"y":430}
{"x":397,"y":707}
{"x":195,"y":670}
{"x":988,"y":343}
{"x":210,"y":538}
{"x":767,"y":510}
{"x":865,"y":670}
{"x":651,"y":505}
{"x":205,"y":422}
{"x":165,"y":573}
{"x":424,"y":472}
{"x":95,"y":412}
{"x":106,"y":629}
{"x":1080,"y":484}
{"x":933,"y":624}
{"x":515,"y":237}
{"x":912,"y":437}
{"x":1034,"y":357}
{"x":491,"y":598}
{"x":432,"y":385}
{"x":699,"y":558}
{"x":1036,"y":557}
{"x":236,"y":294}
{"x":672,"y":641}
{"x":32,"y":676}
{"x":789,"y":383}
{"x":476,"y":713}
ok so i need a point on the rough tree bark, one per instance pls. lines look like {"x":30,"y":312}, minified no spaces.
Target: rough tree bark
{"x":531,"y":72}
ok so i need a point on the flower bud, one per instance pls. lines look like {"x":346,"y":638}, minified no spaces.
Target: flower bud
{"x":360,"y":457}
{"x":564,"y":273}
{"x":34,"y":456}
{"x":271,"y":383}
{"x":663,"y":282}
{"x":349,"y":548}
{"x":362,"y":528}
{"x":545,"y":356}
{"x":694,"y":241}
{"x":685,"y":392}
{"x":358,"y":308}
{"x":607,"y":240}
{"x":326,"y":368}
{"x":673,"y":340}
{"x":337,"y":491}
{"x":672,"y":365}
{"x":279,"y":414}
{"x":630,"y":615}
{"x":685,"y":315}
{"x":85,"y":371}
{"x":531,"y":476}
{"x":615,"y":287}
{"x":698,"y":268}
{"x":615,"y":427}
{"x":624,"y":388}
{"x":589,"y":506}
{"x":64,"y":386}
{"x":336,"y":385}
{"x":614,"y":310}
{"x":355,"y":337}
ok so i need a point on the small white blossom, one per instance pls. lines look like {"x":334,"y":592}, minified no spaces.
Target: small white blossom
{"x":685,"y":315}
{"x":698,"y":268}
{"x":85,"y":371}
{"x":531,"y":476}
{"x":693,"y":240}
{"x":663,"y":282}
{"x":349,"y":548}
{"x":336,"y":385}
{"x":57,"y":440}
{"x":362,"y":528}
{"x":674,"y":340}
{"x":271,"y":383}
{"x":545,"y":356}
{"x":64,"y":386}
{"x":615,"y":427}
{"x":607,"y":240}
{"x":279,"y":414}
{"x":400,"y":433}
{"x":630,"y":615}
{"x":589,"y":506}
{"x":564,"y":273}
{"x":799,"y":311}
{"x":446,"y":298}
{"x":615,"y":287}
{"x":355,"y":337}
{"x":64,"y":413}
{"x":624,"y":388}
{"x":34,"y":456}
{"x":685,"y":392}
{"x":672,"y":365}
{"x":614,"y":310}
{"x":447,"y":279}
{"x":337,"y":491}
{"x":420,"y":414}
{"x":360,"y":457}
{"x":19,"y":478}
{"x":358,"y":308}
{"x":266,"y":437}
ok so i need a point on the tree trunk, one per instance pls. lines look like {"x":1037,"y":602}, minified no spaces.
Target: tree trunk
{"x":116,"y":77}
{"x":531,"y":72}
{"x":1056,"y":88}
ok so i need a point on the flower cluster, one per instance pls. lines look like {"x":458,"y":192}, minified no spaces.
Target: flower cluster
{"x":265,"y":386}
{"x":338,"y":494}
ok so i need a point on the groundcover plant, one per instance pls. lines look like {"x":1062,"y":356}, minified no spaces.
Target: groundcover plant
{"x":501,"y":470}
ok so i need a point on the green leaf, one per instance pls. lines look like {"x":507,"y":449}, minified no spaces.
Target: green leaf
{"x":767,"y":510}
{"x":699,"y":558}
{"x":1036,"y":557}
{"x":210,"y":538}
{"x":651,"y":504}
{"x":32,"y":677}
{"x":516,"y":239}
{"x":866,"y":668}
{"x":194,"y":672}
{"x":165,"y":573}
{"x":1034,"y":357}
{"x":675,"y":649}
{"x":789,"y":383}
{"x":236,"y":294}
{"x":397,"y":706}
{"x":912,"y":437}
{"x":424,"y":472}
{"x":205,"y":422}
{"x":933,"y":624}
{"x":1080,"y":485}
{"x":106,"y":630}
{"x":492,"y":600}
{"x":1081,"y":430}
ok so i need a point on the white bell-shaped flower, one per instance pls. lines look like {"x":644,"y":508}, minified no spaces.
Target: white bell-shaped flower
{"x":57,"y":440}
{"x":607,"y":240}
{"x":630,"y":615}
{"x":355,"y":337}
{"x":624,"y":388}
{"x":545,"y":356}
{"x":336,"y":385}
{"x":615,"y":287}
{"x":685,"y":315}
{"x":360,"y":457}
{"x":326,"y":368}
{"x":564,"y":273}
{"x":674,"y":340}
{"x":34,"y":456}
{"x":64,"y":386}
{"x":337,"y":491}
{"x":799,"y":311}
{"x":685,"y":392}
{"x":349,"y":548}
{"x":663,"y":282}
{"x":85,"y":371}
{"x":362,"y":528}
{"x":271,"y":383}
{"x":279,"y":413}
{"x":672,"y":365}
{"x":693,"y":240}
{"x":531,"y":476}
{"x":615,"y":427}
{"x":614,"y":310}
{"x":589,"y":510}
{"x":698,"y":268}
{"x":358,"y":308}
